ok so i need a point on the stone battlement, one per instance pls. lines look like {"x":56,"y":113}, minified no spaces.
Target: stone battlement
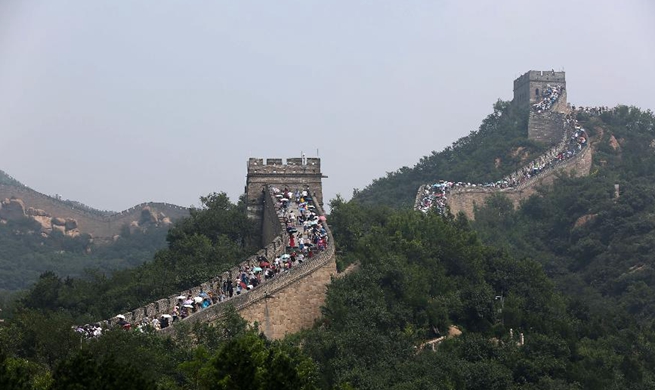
{"x":286,"y":304}
{"x":547,"y":76}
{"x":303,"y":174}
{"x":529,"y":87}
{"x":277,"y":166}
{"x":466,"y":200}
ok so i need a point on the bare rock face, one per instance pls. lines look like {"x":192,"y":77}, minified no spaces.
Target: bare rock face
{"x":614,"y":143}
{"x":134,"y":227}
{"x":12,"y":209}
{"x":57,"y":221}
{"x":148,"y":216}
{"x":584,"y":220}
{"x":73,"y":233}
{"x":58,"y":228}
{"x":166,"y":221}
{"x":45,"y":222}
{"x":37,"y":212}
{"x":70,"y":224}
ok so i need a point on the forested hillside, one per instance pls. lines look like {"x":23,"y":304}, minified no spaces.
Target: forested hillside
{"x":499,"y":147}
{"x":597,"y":247}
{"x":6,"y":179}
{"x":572,"y":270}
{"x":24,"y":254}
{"x":557,"y":294}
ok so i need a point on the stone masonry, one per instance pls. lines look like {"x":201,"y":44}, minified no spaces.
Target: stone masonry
{"x":297,"y":173}
{"x":549,"y":127}
{"x":292,"y":300}
{"x":467,"y":200}
{"x":528,"y":89}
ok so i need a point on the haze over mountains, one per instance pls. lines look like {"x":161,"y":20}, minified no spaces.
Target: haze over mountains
{"x":112,"y":106}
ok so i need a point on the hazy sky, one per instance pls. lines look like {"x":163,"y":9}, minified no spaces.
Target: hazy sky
{"x":113,"y":103}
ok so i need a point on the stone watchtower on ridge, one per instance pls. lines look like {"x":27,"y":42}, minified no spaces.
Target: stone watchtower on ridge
{"x":302,"y":173}
{"x":530,"y":89}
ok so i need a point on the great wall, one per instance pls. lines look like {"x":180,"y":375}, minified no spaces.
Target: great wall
{"x":553,"y":126}
{"x":292,"y":300}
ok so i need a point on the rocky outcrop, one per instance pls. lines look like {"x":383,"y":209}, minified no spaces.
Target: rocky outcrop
{"x":12,"y":209}
{"x":584,"y":220}
{"x":614,"y":143}
{"x":148,"y":216}
{"x":103,"y":225}
{"x":70,"y":224}
{"x":59,"y":221}
{"x":36,"y":212}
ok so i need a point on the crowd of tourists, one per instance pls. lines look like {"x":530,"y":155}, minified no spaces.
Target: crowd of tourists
{"x":548,"y":97}
{"x":305,"y":236}
{"x":434,"y":196}
{"x":593,"y":111}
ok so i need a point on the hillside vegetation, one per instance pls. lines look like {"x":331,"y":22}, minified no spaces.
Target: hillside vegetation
{"x":571,"y":270}
{"x":6,"y":179}
{"x":499,"y":147}
{"x":24,"y":254}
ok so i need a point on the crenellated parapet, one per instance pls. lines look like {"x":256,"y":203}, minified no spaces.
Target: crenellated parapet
{"x":466,"y":200}
{"x":287,"y":303}
{"x":570,"y":153}
{"x":529,"y":87}
{"x":294,"y":174}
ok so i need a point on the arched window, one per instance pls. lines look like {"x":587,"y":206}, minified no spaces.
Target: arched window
{"x":536,"y":92}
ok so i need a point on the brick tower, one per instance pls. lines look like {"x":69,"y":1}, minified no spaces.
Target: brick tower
{"x":297,"y":174}
{"x":547,"y":126}
{"x":528,"y":89}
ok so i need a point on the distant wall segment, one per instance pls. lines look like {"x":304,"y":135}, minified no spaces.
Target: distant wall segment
{"x":529,"y":87}
{"x":467,"y":199}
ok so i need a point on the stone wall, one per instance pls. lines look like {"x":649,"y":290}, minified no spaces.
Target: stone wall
{"x":271,"y":226}
{"x":526,"y":85}
{"x":467,"y":199}
{"x":546,"y":127}
{"x":296,"y":306}
{"x":296,"y":173}
{"x":88,"y":222}
{"x":286,"y":304}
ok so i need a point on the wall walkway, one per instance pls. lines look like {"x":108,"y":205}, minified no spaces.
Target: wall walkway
{"x":289,"y":302}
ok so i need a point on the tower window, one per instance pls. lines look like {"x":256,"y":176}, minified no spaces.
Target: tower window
{"x":536,"y":92}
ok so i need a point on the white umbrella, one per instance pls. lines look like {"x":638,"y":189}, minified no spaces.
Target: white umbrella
{"x":120,"y":317}
{"x":188,"y":306}
{"x":167,"y":316}
{"x":198,"y":299}
{"x":181,"y":297}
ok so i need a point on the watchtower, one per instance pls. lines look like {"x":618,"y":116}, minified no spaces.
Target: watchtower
{"x":530,"y":87}
{"x":544,"y":125}
{"x":302,"y":174}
